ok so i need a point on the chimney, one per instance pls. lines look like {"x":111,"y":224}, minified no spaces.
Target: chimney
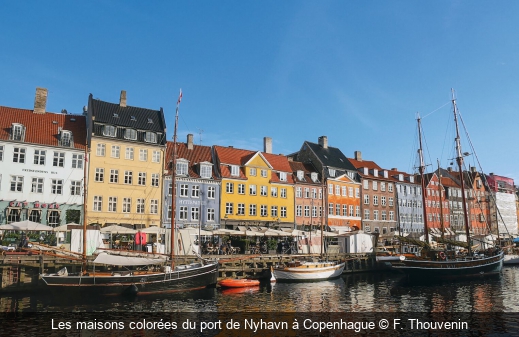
{"x":323,"y":141}
{"x":394,"y":169}
{"x":40,"y":101}
{"x":449,"y":168}
{"x":122,"y":100}
{"x":358,"y":155}
{"x":267,"y":144}
{"x":190,"y":141}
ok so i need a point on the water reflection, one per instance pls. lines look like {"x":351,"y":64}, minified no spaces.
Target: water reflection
{"x":372,"y":292}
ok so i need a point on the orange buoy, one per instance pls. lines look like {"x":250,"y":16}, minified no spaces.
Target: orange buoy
{"x":238,"y":283}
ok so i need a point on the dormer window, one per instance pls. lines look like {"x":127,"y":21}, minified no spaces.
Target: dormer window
{"x":150,"y":137}
{"x":109,"y":130}
{"x":300,"y":175}
{"x":150,"y":121}
{"x":283,"y":176}
{"x":116,"y":115}
{"x":133,"y":119}
{"x":17,"y":132}
{"x":130,"y":134}
{"x":331,"y":172}
{"x":235,"y":170}
{"x":65,"y":138}
{"x":313,"y":175}
{"x":181,"y":167}
{"x":205,"y":171}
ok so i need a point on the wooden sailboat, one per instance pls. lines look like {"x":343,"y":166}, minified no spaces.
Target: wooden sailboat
{"x":305,"y":271}
{"x":136,"y":274}
{"x":447,"y":263}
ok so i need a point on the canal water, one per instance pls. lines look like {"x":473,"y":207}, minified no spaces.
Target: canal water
{"x":355,"y":293}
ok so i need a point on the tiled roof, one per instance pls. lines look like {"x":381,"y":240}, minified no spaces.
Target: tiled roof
{"x":198,"y":154}
{"x":43,"y":128}
{"x":307,"y":169}
{"x":371,"y":166}
{"x":331,"y":156}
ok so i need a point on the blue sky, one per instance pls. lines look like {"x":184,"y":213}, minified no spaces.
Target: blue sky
{"x":355,"y":71}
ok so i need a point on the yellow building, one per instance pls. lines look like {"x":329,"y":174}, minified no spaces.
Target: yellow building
{"x":126,"y":159}
{"x":257,"y":188}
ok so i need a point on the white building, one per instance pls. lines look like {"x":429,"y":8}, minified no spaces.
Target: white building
{"x":42,"y":156}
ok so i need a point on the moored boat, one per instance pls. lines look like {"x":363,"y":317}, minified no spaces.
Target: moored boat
{"x":302,"y":271}
{"x":238,"y":283}
{"x":511,"y":259}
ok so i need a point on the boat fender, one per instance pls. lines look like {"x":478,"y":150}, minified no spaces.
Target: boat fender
{"x":441,"y":255}
{"x":402,"y":257}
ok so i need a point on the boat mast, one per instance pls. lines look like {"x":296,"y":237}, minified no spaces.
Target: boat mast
{"x":440,"y":188}
{"x":173,"y":183}
{"x":323,"y":217}
{"x":459,"y":160}
{"x":85,"y":176}
{"x":422,"y":180}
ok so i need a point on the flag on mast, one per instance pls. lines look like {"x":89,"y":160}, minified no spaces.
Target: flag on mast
{"x":179,"y":97}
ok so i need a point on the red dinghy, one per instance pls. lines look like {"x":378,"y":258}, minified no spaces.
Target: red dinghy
{"x":238,"y":283}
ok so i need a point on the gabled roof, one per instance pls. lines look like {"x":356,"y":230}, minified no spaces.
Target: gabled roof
{"x":198,"y":154}
{"x":371,"y":166}
{"x":307,"y":169}
{"x":331,"y":156}
{"x":43,"y":129}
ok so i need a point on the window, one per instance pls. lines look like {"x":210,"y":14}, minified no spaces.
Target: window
{"x":307,"y":211}
{"x":77,"y":161}
{"x":332,"y":172}
{"x":264,"y":173}
{"x":112,"y":204}
{"x":241,"y":188}
{"x":98,"y":203}
{"x":35,"y":215}
{"x":366,"y":184}
{"x":210,"y":214}
{"x":320,"y":193}
{"x":100,"y":174}
{"x":129,"y":153}
{"x":13,"y":215}
{"x":128,"y":177}
{"x":384,"y":216}
{"x":154,"y":207}
{"x":344,"y":210}
{"x":344,"y":191}
{"x":37,"y":185}
{"x":211,"y":192}
{"x":390,"y":187}
{"x":337,"y":190}
{"x":65,"y":138}
{"x":59,"y":159}
{"x":57,"y":186}
{"x":235,"y":170}
{"x":383,"y":186}
{"x":263,"y":210}
{"x":375,"y":215}
{"x":39,"y":157}
{"x":195,"y":191}
{"x":375,"y":185}
{"x":100,"y":150}
{"x":299,"y":210}
{"x":182,"y":214}
{"x":229,"y":187}
{"x":116,"y":150}
{"x":337,"y":209}
{"x":263,"y":191}
{"x":391,"y":215}
{"x":1,"y":152}
{"x":274,"y":192}
{"x":252,"y":171}
{"x":183,"y":190}
{"x":283,"y":193}
{"x":299,"y":192}
{"x":330,"y":208}
{"x":252,"y":209}
{"x":54,"y":218}
{"x":17,"y":132}
{"x":19,"y":155}
{"x":140,"y":206}
{"x":182,"y":167}
{"x":206,"y":171}
{"x":314,"y":193}
{"x":366,"y":199}
{"x":155,"y":158}
{"x":155,"y":179}
{"x":143,"y":155}
{"x":75,"y":187}
{"x":390,"y":201}
{"x":351,"y":210}
{"x":330,"y":188}
{"x":127,"y":205}
{"x":141,"y":179}
{"x":383,"y":201}
{"x":307,"y":193}
{"x":283,"y":211}
{"x":241,"y":209}
{"x":109,"y":130}
{"x":366,"y":214}
{"x":283,"y":176}
{"x":274,"y":211}
{"x":350,"y":192}
{"x":357,"y":211}
{"x":130,"y":134}
{"x":150,"y":137}
{"x":229,"y":208}
{"x":114,"y":176}
{"x":357,"y":192}
{"x":314,"y":211}
{"x":375,"y":200}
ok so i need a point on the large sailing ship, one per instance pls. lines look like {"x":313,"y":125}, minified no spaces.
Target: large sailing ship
{"x":136,"y":273}
{"x":447,"y":262}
